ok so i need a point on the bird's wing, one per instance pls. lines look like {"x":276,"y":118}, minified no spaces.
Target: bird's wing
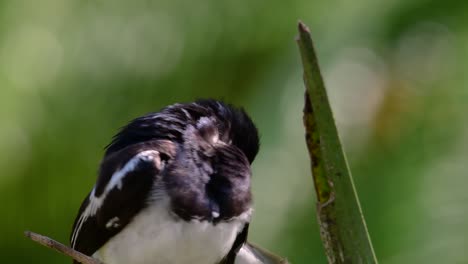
{"x":243,"y":252}
{"x":125,"y":179}
{"x":241,"y":239}
{"x":253,"y":254}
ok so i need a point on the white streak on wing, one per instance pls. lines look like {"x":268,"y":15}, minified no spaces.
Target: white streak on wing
{"x":116,"y":181}
{"x":84,"y":215}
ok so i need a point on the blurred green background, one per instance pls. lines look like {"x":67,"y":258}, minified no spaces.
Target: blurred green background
{"x":73,"y":72}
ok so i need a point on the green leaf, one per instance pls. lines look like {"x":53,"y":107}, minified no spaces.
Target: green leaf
{"x":342,"y":226}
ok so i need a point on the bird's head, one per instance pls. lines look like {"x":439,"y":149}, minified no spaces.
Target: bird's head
{"x":208,"y":178}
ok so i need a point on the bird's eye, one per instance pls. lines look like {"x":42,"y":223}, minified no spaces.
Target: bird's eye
{"x":164,"y":160}
{"x":164,"y":157}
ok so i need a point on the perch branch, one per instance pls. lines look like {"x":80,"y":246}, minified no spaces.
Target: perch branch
{"x":50,"y":243}
{"x":262,"y":255}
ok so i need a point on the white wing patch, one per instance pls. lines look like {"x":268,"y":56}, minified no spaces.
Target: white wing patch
{"x":113,"y":223}
{"x":116,"y":181}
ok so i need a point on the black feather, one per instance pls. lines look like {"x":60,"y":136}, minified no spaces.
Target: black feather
{"x":171,"y":122}
{"x":219,"y":173}
{"x":125,"y":202}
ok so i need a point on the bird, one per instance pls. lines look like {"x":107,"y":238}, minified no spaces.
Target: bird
{"x":174,"y":187}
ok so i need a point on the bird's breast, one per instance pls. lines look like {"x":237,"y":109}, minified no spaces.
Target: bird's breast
{"x":155,"y":236}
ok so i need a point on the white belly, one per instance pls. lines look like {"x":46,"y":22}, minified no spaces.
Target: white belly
{"x":154,"y":237}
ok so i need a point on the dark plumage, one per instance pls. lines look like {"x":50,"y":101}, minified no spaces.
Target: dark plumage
{"x":170,"y":123}
{"x":197,"y":155}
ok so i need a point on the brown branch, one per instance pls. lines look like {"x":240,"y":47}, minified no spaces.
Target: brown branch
{"x":66,"y":250}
